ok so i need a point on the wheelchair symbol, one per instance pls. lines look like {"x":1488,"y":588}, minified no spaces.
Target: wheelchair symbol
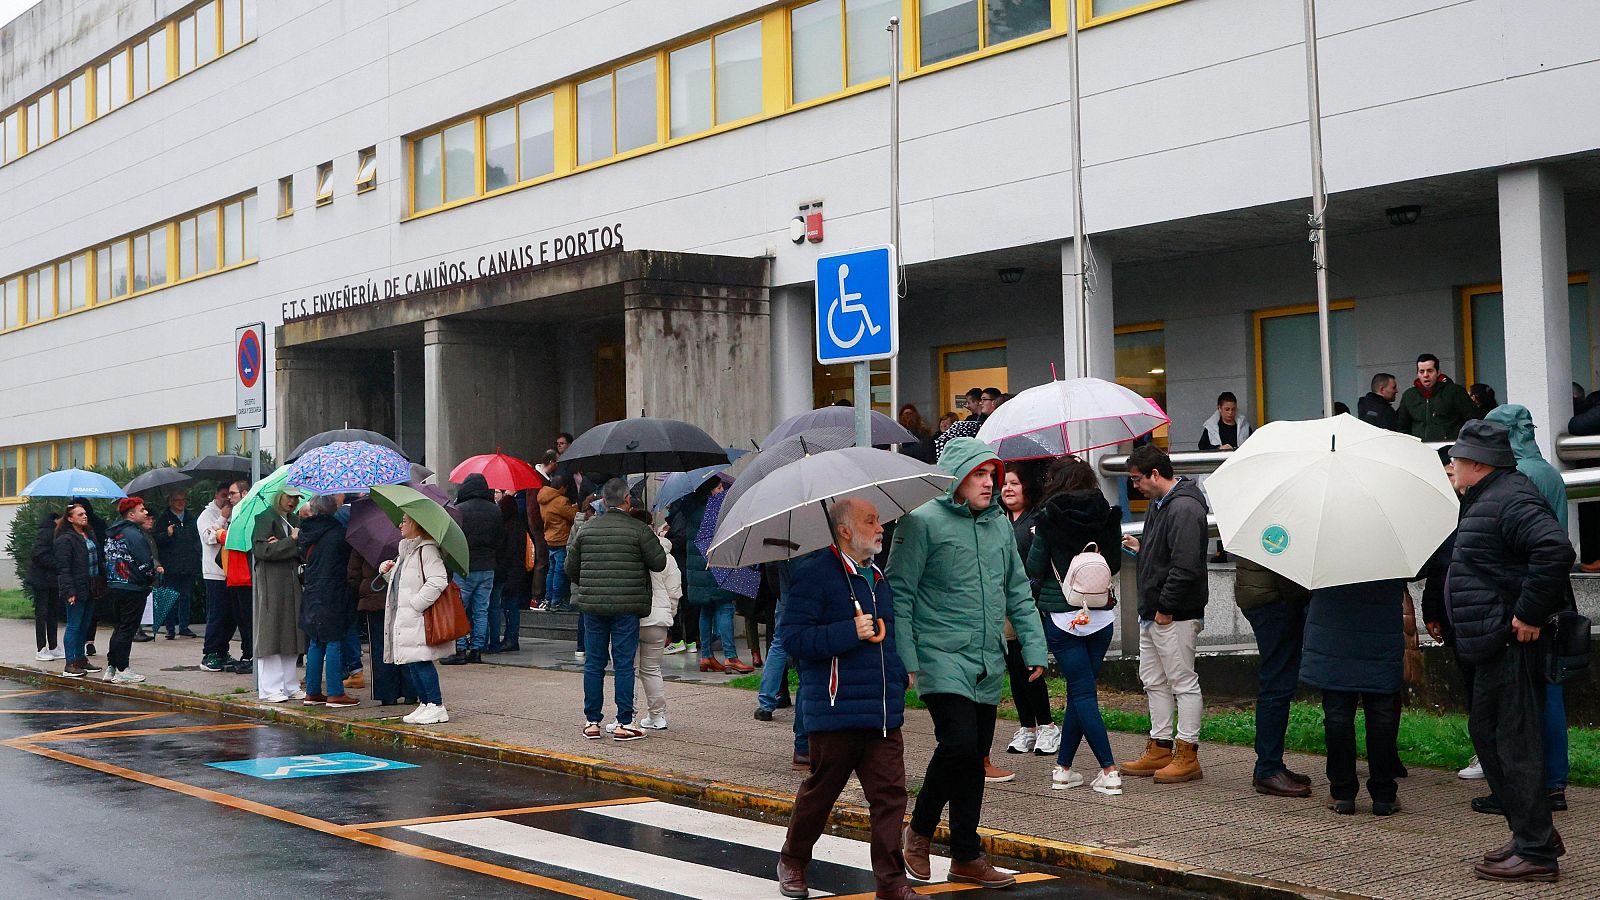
{"x":850,"y":302}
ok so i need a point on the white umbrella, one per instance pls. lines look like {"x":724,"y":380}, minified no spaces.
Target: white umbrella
{"x":1333,"y":501}
{"x":1071,"y":416}
{"x":784,"y":515}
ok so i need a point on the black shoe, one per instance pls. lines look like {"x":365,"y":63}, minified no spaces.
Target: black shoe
{"x":784,"y":702}
{"x":1402,"y":772}
{"x":211,"y":663}
{"x":1342,"y":807}
{"x":187,"y":633}
{"x":474,"y":656}
{"x":88,"y":649}
{"x":244,"y":667}
{"x":172,"y":637}
{"x":140,"y":637}
{"x":454,"y":659}
{"x":1489,"y":805}
{"x":1380,"y":808}
{"x":512,"y":647}
{"x":1558,"y":801}
{"x":763,"y":715}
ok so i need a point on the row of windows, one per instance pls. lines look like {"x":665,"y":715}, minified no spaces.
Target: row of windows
{"x":366,"y":180}
{"x":176,"y":48}
{"x":172,"y":444}
{"x":793,"y":56}
{"x":189,"y":246}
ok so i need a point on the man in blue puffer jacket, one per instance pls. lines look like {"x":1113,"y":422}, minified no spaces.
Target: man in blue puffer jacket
{"x":838,"y":623}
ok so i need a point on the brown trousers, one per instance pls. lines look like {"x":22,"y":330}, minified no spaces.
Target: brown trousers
{"x":878,"y":762}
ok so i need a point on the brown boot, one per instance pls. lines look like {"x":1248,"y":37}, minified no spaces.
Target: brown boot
{"x":993,"y":774}
{"x":792,"y":880}
{"x":1185,"y":765}
{"x":735,"y":664}
{"x":914,"y":848}
{"x":1155,"y":757}
{"x":979,"y":872}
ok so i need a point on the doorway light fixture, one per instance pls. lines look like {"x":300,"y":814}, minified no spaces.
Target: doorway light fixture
{"x":1011,"y":274}
{"x":1403,"y":215}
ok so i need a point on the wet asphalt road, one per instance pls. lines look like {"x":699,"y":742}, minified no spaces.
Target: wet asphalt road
{"x":144,"y":811}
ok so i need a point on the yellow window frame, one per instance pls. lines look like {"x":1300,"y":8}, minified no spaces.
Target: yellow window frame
{"x":1468,"y":293}
{"x":1278,"y":312}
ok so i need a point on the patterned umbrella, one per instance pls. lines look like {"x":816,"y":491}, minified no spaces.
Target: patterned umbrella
{"x":341,"y":434}
{"x":745,"y":581}
{"x":348,"y":467}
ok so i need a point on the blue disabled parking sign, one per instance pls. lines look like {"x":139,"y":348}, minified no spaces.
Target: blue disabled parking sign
{"x":276,"y":768}
{"x":858,"y":306}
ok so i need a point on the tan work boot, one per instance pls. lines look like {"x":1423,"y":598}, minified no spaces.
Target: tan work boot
{"x":1185,"y":765}
{"x":1155,"y":757}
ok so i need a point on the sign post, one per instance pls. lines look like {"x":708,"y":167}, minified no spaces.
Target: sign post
{"x":250,"y":412}
{"x":858,"y":319}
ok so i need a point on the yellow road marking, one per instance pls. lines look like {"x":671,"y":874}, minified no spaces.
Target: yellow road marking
{"x":142,"y":732}
{"x":951,"y":886}
{"x":9,"y":695}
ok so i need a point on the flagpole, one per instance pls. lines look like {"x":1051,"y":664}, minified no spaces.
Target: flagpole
{"x":1319,"y":208}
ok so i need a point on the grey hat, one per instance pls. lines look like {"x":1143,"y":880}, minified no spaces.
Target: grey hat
{"x":1485,"y":442}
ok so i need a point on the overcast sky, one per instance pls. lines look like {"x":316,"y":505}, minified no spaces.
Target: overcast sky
{"x":10,"y":9}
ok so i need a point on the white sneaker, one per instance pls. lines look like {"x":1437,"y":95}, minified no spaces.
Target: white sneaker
{"x":1473,"y":771}
{"x":44,"y":655}
{"x":1022,"y":741}
{"x":1062,"y":778}
{"x":1108,"y":783}
{"x":108,"y":673}
{"x":297,"y":694}
{"x":127,"y":676}
{"x":435,"y":714}
{"x":274,"y":698}
{"x":611,"y":727}
{"x":1049,"y":740}
{"x":577,"y":655}
{"x":654,"y":723}
{"x":58,"y":653}
{"x":415,"y":716}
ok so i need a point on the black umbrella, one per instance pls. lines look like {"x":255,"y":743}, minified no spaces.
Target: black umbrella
{"x":218,"y":467}
{"x":751,"y":469}
{"x":643,"y":445}
{"x":343,"y":434}
{"x":884,"y":429}
{"x":155,"y":479}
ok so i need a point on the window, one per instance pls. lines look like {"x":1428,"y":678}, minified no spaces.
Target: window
{"x":1103,"y":10}
{"x":79,"y":89}
{"x":8,"y":473}
{"x":141,"y":448}
{"x":158,"y":59}
{"x":233,"y":233}
{"x":232,"y":26}
{"x":367,"y":169}
{"x":102,"y":268}
{"x":961,"y":368}
{"x":158,"y":255}
{"x":952,"y":28}
{"x":120,"y":70}
{"x":689,"y":74}
{"x":606,"y":128}
{"x":141,"y":69}
{"x":1141,"y":361}
{"x":8,"y":138}
{"x":1484,"y":335}
{"x":817,"y":64}
{"x":33,"y":127}
{"x":427,"y":173}
{"x":715,"y":81}
{"x":119,"y":269}
{"x":75,"y":282}
{"x":594,"y":120}
{"x":1007,"y":20}
{"x":10,"y":303}
{"x":867,"y":39}
{"x":536,"y":137}
{"x":186,"y":45}
{"x":102,"y":89}
{"x":205,"y":240}
{"x":186,"y":252}
{"x":47,"y":118}
{"x":460,"y":161}
{"x":248,"y":222}
{"x":500,"y":149}
{"x":39,"y":460}
{"x":41,"y":288}
{"x":738,"y":60}
{"x":141,"y":262}
{"x":286,"y":196}
{"x":1287,"y":385}
{"x":206,"y":34}
{"x":325,"y":183}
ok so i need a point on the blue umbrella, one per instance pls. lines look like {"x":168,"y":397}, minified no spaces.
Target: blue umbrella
{"x":74,"y":483}
{"x":348,"y":467}
{"x":681,"y":484}
{"x":745,"y":581}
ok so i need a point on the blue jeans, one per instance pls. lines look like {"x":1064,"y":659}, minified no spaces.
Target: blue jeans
{"x":178,"y":618}
{"x":475,"y":589}
{"x":325,"y":656}
{"x":426,"y":678}
{"x":80,"y":627}
{"x":555,"y":579}
{"x":1555,"y":738}
{"x":615,"y":638}
{"x":1079,"y":659}
{"x":716,"y":620}
{"x":350,"y":650}
{"x":1280,"y":629}
{"x":772,"y":677}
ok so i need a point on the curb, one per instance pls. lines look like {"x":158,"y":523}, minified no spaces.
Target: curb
{"x":726,"y":795}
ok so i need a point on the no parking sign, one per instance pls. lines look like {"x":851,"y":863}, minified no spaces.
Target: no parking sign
{"x":249,"y":375}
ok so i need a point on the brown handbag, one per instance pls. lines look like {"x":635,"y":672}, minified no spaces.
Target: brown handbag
{"x":446,"y":619}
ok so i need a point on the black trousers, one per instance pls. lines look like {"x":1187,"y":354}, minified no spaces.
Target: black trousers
{"x":127,"y":607}
{"x":964,"y":732}
{"x":219,"y":619}
{"x":48,"y":611}
{"x":1506,"y":723}
{"x":1383,"y":733}
{"x":240,"y":602}
{"x":1031,"y":697}
{"x":389,"y":681}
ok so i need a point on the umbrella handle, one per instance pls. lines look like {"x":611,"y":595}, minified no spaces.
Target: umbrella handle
{"x":880,"y":631}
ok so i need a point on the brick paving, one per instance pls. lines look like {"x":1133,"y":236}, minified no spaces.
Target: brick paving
{"x":1219,"y":823}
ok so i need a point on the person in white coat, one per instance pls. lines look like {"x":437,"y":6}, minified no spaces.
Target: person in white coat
{"x":415,"y":580}
{"x":666,"y":590}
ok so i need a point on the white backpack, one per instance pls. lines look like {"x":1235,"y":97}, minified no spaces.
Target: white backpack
{"x":1087,"y":584}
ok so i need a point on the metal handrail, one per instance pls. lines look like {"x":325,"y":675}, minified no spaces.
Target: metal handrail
{"x":1577,"y":448}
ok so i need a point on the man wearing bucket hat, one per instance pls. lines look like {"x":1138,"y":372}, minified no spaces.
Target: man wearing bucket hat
{"x":1507,"y":578}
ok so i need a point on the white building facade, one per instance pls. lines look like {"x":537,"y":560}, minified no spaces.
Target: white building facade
{"x":472,"y":224}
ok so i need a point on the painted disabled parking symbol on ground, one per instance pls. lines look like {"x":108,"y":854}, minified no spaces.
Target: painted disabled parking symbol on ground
{"x":275,"y":768}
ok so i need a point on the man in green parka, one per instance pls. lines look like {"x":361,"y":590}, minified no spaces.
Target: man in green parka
{"x":956,"y":577}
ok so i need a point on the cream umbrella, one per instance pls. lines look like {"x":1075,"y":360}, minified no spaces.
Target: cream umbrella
{"x":1333,"y":501}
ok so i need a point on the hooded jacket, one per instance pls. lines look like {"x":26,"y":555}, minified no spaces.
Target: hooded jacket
{"x":480,"y":522}
{"x":1065,"y":524}
{"x":211,"y":523}
{"x":130,"y":557}
{"x":557,"y":513}
{"x":956,"y":577}
{"x":846,"y":683}
{"x":1172,"y":555}
{"x":325,"y":608}
{"x":666,"y":590}
{"x":1530,"y":461}
{"x":42,"y":569}
{"x":1435,"y":415}
{"x":1376,"y":411}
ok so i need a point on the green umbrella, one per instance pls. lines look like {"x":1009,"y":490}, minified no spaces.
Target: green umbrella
{"x":398,"y":499}
{"x":259,"y":499}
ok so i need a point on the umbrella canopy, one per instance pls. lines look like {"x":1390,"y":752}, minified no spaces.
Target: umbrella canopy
{"x":374,"y":537}
{"x":744,"y":580}
{"x":504,"y":473}
{"x":964,"y":428}
{"x":348,"y":467}
{"x":643,"y":445}
{"x":751,"y":469}
{"x":155,"y":479}
{"x":783,"y":514}
{"x":430,"y":515}
{"x":218,"y":467}
{"x":241,"y":523}
{"x":734,"y":453}
{"x":1333,"y":501}
{"x":884,"y":429}
{"x":681,"y":484}
{"x":344,"y":435}
{"x":420,"y":473}
{"x":1065,"y":417}
{"x":74,"y":483}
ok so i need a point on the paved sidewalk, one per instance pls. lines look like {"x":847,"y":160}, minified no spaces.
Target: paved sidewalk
{"x":1218,"y":823}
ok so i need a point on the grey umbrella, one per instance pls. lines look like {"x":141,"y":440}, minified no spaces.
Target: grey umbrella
{"x":885,"y":430}
{"x":343,"y":434}
{"x":785,"y":514}
{"x":218,"y":467}
{"x":156,"y":479}
{"x":629,"y":446}
{"x":749,"y":470}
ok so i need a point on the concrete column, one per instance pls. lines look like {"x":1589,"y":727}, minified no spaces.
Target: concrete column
{"x":410,"y":413}
{"x":700,"y":353}
{"x":575,"y":348}
{"x":316,"y":390}
{"x":793,"y":349}
{"x":489,"y":385}
{"x":1102,"y":336}
{"x":1533,"y":265}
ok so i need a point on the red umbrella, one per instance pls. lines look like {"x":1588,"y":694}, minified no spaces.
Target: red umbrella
{"x":504,"y":473}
